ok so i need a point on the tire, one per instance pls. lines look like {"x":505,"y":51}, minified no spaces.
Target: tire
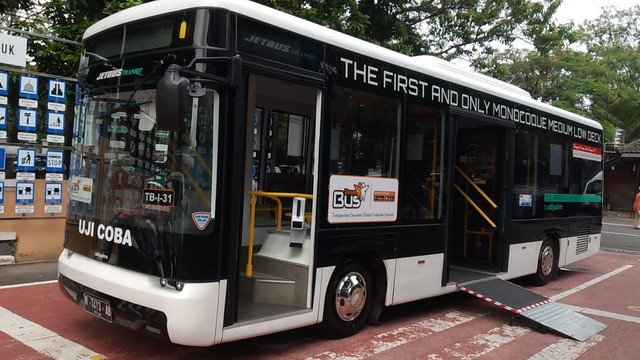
{"x":348,"y":300}
{"x":547,"y":263}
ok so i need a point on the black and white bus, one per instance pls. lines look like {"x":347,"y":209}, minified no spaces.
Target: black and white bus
{"x":238,"y":171}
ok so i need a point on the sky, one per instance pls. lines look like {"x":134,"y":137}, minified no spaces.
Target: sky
{"x":580,"y":10}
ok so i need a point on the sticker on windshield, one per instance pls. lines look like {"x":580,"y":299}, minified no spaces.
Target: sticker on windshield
{"x":201,"y":219}
{"x":160,"y":197}
{"x":80,"y":189}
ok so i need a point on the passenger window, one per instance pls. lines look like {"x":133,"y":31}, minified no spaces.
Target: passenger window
{"x":363,"y":133}
{"x":420,"y":182}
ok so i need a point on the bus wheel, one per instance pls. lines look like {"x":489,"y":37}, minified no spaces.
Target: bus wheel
{"x":348,"y":300}
{"x":547,"y":263}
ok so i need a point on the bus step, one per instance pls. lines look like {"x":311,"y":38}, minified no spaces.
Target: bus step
{"x":532,"y":307}
{"x":267,"y":288}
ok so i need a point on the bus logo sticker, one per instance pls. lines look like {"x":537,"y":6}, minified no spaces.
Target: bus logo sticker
{"x":362,"y":199}
{"x":201,"y":219}
{"x":81,"y":189}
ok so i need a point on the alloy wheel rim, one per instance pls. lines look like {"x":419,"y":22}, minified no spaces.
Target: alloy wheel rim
{"x":351,"y":296}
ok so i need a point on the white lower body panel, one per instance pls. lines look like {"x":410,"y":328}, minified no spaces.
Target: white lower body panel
{"x":191,"y":313}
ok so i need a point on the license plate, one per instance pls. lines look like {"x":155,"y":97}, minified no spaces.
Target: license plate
{"x":98,"y":307}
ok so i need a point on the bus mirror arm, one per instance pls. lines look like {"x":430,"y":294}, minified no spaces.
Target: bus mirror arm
{"x":233,"y":65}
{"x":172,"y":96}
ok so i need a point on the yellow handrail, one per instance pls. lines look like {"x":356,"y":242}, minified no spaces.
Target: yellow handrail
{"x":470,"y":181}
{"x":252,"y":217}
{"x":475,"y":206}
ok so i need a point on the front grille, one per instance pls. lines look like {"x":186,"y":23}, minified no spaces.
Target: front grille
{"x":127,"y":314}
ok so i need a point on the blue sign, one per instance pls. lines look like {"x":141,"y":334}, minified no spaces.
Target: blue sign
{"x":4,"y":83}
{"x":27,"y":120}
{"x":1,"y":192}
{"x":54,"y":161}
{"x":3,"y":117}
{"x":57,"y":90}
{"x":52,"y":193}
{"x":55,"y":123}
{"x":24,"y":192}
{"x":26,"y":160}
{"x":28,"y":87}
{"x":3,"y":158}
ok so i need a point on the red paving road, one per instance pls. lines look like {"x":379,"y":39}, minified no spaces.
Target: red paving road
{"x":455,"y":326}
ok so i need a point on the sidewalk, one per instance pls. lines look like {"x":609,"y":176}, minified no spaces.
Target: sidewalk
{"x":28,"y":272}
{"x":618,"y":214}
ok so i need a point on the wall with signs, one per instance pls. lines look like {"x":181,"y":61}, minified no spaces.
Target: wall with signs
{"x":35,"y":210}
{"x":35,"y":115}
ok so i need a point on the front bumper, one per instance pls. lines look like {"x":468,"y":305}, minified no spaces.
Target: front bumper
{"x":138,"y":301}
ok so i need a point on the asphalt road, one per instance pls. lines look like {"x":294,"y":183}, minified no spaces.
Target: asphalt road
{"x":619,"y":235}
{"x":37,"y":322}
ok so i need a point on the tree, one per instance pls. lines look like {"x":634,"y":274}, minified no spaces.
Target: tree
{"x":445,"y":28}
{"x":591,"y":69}
{"x":66,"y":19}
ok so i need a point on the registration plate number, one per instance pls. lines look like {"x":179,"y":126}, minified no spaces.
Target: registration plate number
{"x":98,"y":307}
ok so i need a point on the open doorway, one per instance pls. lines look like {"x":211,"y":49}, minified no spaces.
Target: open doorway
{"x":277,"y":245}
{"x":478,"y":200}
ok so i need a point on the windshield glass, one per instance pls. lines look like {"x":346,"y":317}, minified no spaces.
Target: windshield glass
{"x":139,"y":194}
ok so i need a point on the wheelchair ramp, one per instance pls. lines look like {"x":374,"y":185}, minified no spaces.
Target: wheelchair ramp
{"x":533,"y":307}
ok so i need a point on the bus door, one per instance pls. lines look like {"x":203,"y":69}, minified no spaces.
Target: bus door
{"x":479,"y":189}
{"x":275,"y":263}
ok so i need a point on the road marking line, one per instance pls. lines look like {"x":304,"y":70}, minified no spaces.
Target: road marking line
{"x":566,"y":349}
{"x":621,"y":251}
{"x":606,"y":314}
{"x":41,"y":339}
{"x":481,"y":344}
{"x":28,"y":284}
{"x":589,"y":283}
{"x":400,"y":336}
{"x":618,"y":233}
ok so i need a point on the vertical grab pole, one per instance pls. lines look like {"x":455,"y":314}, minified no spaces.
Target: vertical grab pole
{"x":252,"y":221}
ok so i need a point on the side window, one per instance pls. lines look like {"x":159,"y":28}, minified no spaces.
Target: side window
{"x":551,"y":178}
{"x":288,"y":139}
{"x":541,"y":168}
{"x":420,"y":183}
{"x":364,"y":132}
{"x":195,"y":171}
{"x":525,"y":186}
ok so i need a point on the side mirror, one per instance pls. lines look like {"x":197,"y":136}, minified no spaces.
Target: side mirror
{"x":172,"y":98}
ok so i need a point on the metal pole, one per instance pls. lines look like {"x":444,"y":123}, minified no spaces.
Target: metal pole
{"x":50,"y":37}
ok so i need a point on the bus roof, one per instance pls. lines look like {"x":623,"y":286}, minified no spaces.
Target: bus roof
{"x":306,"y":28}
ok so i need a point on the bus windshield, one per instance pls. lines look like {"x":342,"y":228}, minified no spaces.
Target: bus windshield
{"x":138,"y":194}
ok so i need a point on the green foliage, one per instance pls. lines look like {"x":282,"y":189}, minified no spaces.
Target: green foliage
{"x":445,"y":28}
{"x":13,"y":246}
{"x":592,"y":69}
{"x":65,"y":19}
